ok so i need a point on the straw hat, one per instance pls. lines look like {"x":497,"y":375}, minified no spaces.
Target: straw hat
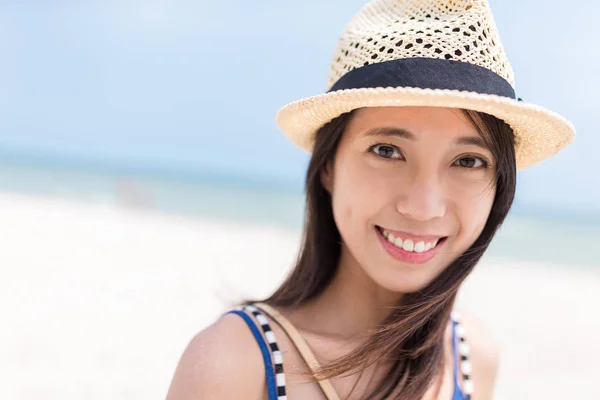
{"x":443,"y":53}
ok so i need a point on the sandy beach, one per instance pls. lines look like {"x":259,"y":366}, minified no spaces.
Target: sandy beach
{"x":98,"y":302}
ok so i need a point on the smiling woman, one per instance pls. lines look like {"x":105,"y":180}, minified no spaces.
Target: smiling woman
{"x":415,"y":149}
{"x":350,"y":279}
{"x":409,"y":164}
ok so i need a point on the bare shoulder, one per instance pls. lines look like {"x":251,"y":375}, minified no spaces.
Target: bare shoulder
{"x":221,"y":362}
{"x":484,"y":355}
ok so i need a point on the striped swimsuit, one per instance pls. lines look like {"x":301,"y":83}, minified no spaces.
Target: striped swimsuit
{"x":273,"y":360}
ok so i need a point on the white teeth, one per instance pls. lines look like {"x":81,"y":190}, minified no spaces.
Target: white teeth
{"x":420,"y":247}
{"x":408,"y":245}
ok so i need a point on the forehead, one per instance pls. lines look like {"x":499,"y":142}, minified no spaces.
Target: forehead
{"x":444,"y":122}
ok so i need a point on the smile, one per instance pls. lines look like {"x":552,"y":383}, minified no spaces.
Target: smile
{"x":408,"y":244}
{"x":410,"y":248}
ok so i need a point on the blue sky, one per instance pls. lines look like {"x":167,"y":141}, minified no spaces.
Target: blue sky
{"x":195,"y":85}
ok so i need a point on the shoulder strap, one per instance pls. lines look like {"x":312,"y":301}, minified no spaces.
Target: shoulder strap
{"x":460,"y":349}
{"x":270,"y":375}
{"x":302,"y":346}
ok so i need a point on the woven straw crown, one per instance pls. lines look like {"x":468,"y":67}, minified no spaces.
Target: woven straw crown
{"x":461,"y":30}
{"x":437,"y":53}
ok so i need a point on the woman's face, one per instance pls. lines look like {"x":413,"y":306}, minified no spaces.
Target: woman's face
{"x":411,"y":189}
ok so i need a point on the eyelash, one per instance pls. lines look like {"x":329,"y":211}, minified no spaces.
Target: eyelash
{"x":484,"y":162}
{"x":372,"y":148}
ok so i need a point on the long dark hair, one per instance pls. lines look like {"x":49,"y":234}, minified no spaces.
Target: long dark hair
{"x":412,"y":335}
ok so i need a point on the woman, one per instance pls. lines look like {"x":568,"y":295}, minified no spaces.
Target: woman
{"x":415,"y":148}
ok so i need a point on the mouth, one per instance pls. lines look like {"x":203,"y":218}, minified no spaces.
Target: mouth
{"x":410,"y":248}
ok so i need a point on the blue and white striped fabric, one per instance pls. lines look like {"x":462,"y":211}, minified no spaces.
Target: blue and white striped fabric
{"x":273,"y":359}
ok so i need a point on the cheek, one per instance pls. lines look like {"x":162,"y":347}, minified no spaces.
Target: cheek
{"x":474,"y":210}
{"x":357,"y":196}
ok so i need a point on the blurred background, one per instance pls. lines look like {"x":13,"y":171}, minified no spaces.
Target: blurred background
{"x":144,"y":188}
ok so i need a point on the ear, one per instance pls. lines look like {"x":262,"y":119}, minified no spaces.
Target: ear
{"x":327,"y":177}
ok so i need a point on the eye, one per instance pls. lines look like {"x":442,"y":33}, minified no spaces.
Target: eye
{"x":471,"y":162}
{"x":386,"y":151}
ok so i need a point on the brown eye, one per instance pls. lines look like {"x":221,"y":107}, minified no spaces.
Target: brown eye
{"x":386,"y":151}
{"x":470,"y":162}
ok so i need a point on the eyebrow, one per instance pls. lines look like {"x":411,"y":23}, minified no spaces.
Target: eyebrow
{"x":405,"y":134}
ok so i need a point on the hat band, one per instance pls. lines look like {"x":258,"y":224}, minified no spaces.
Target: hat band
{"x":426,"y":73}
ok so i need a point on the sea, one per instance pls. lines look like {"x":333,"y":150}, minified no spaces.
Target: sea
{"x":561,"y":237}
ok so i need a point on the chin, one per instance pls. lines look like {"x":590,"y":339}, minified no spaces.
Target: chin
{"x":403,"y":281}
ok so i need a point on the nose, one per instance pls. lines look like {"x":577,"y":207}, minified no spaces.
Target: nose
{"x":421,"y":196}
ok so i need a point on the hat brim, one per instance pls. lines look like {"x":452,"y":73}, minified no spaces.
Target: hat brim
{"x":539,"y":133}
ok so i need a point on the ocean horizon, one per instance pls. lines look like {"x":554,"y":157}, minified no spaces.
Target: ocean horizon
{"x":561,"y":236}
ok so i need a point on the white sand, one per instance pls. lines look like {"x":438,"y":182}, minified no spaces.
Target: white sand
{"x":99,"y":303}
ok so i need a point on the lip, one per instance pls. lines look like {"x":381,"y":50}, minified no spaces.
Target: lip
{"x":414,"y":237}
{"x":409,"y":256}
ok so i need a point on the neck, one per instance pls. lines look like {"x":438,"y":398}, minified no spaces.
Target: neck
{"x":351,"y":306}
